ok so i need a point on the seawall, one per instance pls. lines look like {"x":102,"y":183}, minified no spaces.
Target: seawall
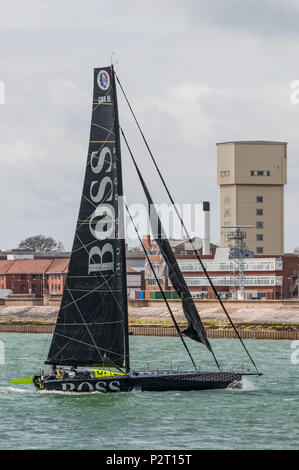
{"x":156,"y":330}
{"x":271,"y":319}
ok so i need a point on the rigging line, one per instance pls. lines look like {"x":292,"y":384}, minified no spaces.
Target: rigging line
{"x":92,"y":323}
{"x":103,"y":144}
{"x":92,"y":338}
{"x":105,"y":281}
{"x":161,"y":290}
{"x":87,"y":344}
{"x":103,"y":358}
{"x":85,"y":221}
{"x":81,"y":247}
{"x":97,"y":104}
{"x":119,"y":306}
{"x":97,"y":151}
{"x":82,"y":296}
{"x":103,"y":128}
{"x":161,"y":229}
{"x":184,"y":227}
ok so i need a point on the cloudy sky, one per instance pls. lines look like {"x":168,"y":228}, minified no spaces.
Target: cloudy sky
{"x":196,"y":72}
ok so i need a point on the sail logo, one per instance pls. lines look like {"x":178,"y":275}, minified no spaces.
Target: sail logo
{"x":102,"y":191}
{"x":103,"y":80}
{"x":103,"y":387}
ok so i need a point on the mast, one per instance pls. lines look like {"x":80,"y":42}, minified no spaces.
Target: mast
{"x":121,"y":230}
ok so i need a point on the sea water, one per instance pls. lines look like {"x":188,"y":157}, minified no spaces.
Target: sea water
{"x":263,"y":415}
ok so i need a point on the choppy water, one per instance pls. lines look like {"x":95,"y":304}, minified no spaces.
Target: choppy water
{"x":264,"y":415}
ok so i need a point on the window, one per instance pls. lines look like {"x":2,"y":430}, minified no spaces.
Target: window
{"x":259,"y":198}
{"x":33,"y":276}
{"x":33,"y":287}
{"x":259,"y":237}
{"x":260,"y":224}
{"x":153,"y":282}
{"x":259,"y":212}
{"x":259,"y":172}
{"x":224,"y":173}
{"x":23,"y":287}
{"x":23,"y":276}
{"x":259,"y":249}
{"x":227,"y":200}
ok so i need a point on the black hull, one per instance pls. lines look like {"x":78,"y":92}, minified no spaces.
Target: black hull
{"x":147,"y":381}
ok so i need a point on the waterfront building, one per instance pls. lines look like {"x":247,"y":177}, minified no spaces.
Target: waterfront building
{"x":263,"y":277}
{"x":251,"y":176}
{"x":37,"y":277}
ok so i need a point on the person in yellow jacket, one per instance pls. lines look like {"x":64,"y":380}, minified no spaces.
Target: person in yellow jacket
{"x":60,"y":373}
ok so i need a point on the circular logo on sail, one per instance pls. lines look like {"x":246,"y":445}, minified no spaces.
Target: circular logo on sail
{"x":103,"y":80}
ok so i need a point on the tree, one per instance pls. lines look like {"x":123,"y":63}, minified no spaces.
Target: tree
{"x":40,"y":243}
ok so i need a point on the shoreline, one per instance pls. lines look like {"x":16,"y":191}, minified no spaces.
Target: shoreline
{"x":256,"y":320}
{"x":248,"y":331}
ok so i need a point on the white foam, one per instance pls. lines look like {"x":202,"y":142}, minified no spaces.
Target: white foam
{"x":247,"y":384}
{"x":18,"y":390}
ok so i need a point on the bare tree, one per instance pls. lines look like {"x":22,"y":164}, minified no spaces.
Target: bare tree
{"x":41,"y":243}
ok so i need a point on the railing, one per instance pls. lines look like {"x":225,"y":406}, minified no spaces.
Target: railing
{"x":275,"y":265}
{"x":228,"y":281}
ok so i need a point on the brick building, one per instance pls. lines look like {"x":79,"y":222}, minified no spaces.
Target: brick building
{"x":56,"y":275}
{"x":33,"y":276}
{"x":37,"y":277}
{"x":270,"y":277}
{"x":263,"y":277}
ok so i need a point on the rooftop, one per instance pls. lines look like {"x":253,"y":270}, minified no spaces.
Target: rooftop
{"x":259,"y":142}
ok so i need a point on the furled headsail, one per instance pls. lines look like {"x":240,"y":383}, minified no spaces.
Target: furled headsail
{"x":92,"y":323}
{"x":195,"y":328}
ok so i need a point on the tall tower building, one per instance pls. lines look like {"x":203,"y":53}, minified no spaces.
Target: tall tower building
{"x":251,"y":176}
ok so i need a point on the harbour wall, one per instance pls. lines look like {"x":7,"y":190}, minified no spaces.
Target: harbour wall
{"x":55,"y":300}
{"x":156,"y":330}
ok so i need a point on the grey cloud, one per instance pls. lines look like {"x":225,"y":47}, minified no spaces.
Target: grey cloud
{"x":193,"y":80}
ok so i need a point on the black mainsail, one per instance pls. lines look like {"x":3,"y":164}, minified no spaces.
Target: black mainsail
{"x":92,"y":323}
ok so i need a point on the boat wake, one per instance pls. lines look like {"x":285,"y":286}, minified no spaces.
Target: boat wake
{"x":245,"y":385}
{"x":14,"y":389}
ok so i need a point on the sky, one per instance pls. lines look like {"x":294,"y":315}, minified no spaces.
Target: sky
{"x":196,"y":73}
